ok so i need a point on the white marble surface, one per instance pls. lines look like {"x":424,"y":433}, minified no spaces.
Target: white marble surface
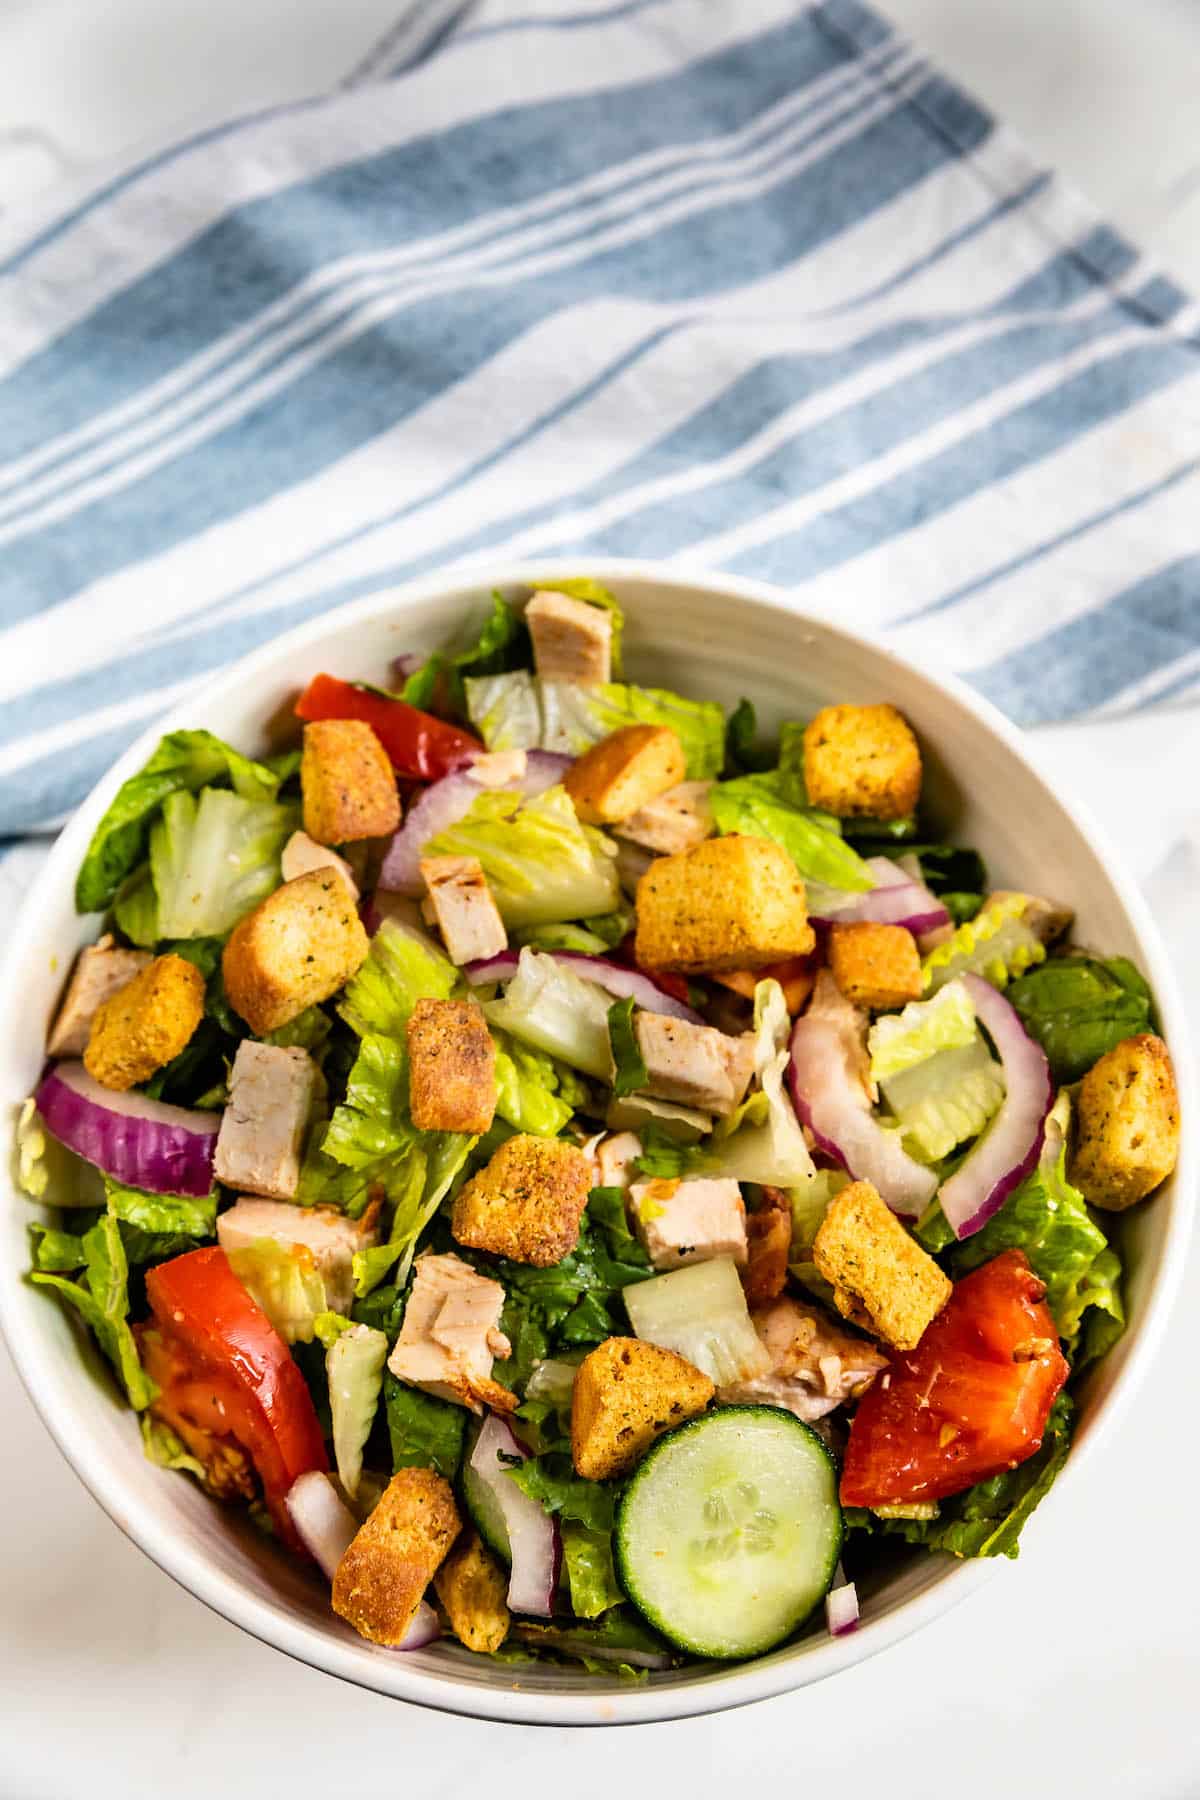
{"x":1073,"y":1673}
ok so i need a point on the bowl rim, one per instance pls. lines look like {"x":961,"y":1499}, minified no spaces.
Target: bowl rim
{"x":740,"y":1684}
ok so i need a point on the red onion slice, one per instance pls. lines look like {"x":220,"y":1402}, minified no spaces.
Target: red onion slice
{"x":829,"y":1090}
{"x":533,"y":1538}
{"x":447,"y":801}
{"x":896,"y":899}
{"x":140,"y":1142}
{"x":841,"y":1606}
{"x":621,"y":982}
{"x":323,"y":1523}
{"x":423,"y":1630}
{"x":1012,"y":1142}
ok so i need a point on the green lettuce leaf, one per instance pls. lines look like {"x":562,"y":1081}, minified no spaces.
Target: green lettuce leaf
{"x":354,"y":1365}
{"x":535,"y":1093}
{"x":987,"y":1519}
{"x":425,"y":1433}
{"x":629,"y":1065}
{"x":101,"y":1299}
{"x":591,"y":1577}
{"x":135,"y":908}
{"x":744,"y":755}
{"x":551,"y":1481}
{"x":156,"y":1226}
{"x":290,"y":1290}
{"x":548,"y":1006}
{"x":521,"y":712}
{"x":56,"y":1252}
{"x":996,"y":944}
{"x":774,"y":805}
{"x":1079,"y":1007}
{"x":46,"y":1170}
{"x":897,"y":1041}
{"x":541,"y":864}
{"x":184,"y":761}
{"x":502,"y":643}
{"x":213,"y":857}
{"x":401,"y":968}
{"x":163,"y":1447}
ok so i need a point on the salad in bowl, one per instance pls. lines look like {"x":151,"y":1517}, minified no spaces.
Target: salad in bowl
{"x":584,"y":1178}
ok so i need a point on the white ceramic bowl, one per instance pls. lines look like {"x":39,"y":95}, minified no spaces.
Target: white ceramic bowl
{"x":713,"y":637}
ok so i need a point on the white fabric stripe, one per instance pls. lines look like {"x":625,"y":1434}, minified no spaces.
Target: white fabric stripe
{"x":170,"y":205}
{"x":1092,"y":473}
{"x":359,"y":291}
{"x":1147,"y":690}
{"x":461,"y":424}
{"x":105,"y":718}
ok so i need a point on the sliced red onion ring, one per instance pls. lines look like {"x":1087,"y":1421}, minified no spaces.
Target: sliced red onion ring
{"x":1010,"y":1146}
{"x":622,"y":983}
{"x":829,"y":1090}
{"x":447,"y":801}
{"x":423,"y":1630}
{"x":841,"y":1606}
{"x":324,"y":1524}
{"x":140,"y":1142}
{"x":896,"y":899}
{"x":533,"y":1538}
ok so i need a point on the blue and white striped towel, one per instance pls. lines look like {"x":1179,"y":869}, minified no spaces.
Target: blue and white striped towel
{"x":743,"y":283}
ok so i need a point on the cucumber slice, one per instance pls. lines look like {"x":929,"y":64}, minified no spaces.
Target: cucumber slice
{"x":730,"y":1530}
{"x":482,"y":1504}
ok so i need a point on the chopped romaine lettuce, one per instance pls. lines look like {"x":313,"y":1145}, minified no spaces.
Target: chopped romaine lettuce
{"x":425,"y":1432}
{"x":56,"y":1252}
{"x":354,"y":1365}
{"x":899,"y":1040}
{"x":101,"y":1299}
{"x":286,"y":1284}
{"x":949,"y":1097}
{"x":591,"y":1577}
{"x":155,"y":1226}
{"x":551,"y":1007}
{"x":700,"y":1313}
{"x":402,"y":967}
{"x":1077,"y":1007}
{"x":534,"y":1093}
{"x":163,"y":1447}
{"x":135,"y":908}
{"x":213,"y":858}
{"x":562,"y":936}
{"x":810,"y":1202}
{"x":541,"y":864}
{"x":184,"y":761}
{"x":629,"y":1065}
{"x":502,"y":643}
{"x":996,"y":944}
{"x":774,"y":806}
{"x":744,"y":755}
{"x":46,"y":1170}
{"x":521,"y":712}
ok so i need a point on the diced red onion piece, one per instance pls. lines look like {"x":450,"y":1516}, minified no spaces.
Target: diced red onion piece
{"x":615,"y":978}
{"x":447,"y":801}
{"x":140,"y":1142}
{"x":831,"y":1098}
{"x":423,"y":1630}
{"x":1010,"y":1146}
{"x":841,"y":1608}
{"x":324,"y":1524}
{"x":896,"y":899}
{"x":533,"y":1538}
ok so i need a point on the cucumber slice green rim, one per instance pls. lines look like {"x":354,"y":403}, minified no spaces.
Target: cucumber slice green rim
{"x":482,"y":1505}
{"x":729,"y":1532}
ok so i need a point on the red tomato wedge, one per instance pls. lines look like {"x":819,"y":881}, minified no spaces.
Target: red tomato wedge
{"x":420,"y":746}
{"x":225,"y":1353}
{"x":970,"y":1401}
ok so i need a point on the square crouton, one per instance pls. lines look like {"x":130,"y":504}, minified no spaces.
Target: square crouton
{"x":1127,"y":1113}
{"x":572,"y":640}
{"x":101,"y":970}
{"x":145,"y":1023}
{"x":301,"y":854}
{"x":299,"y":946}
{"x":347,"y":783}
{"x":694,"y":1065}
{"x":271,"y":1094}
{"x":451,"y":1067}
{"x":680,"y":1222}
{"x":677,"y":820}
{"x":877,"y":966}
{"x":527,"y":1203}
{"x":451,"y":1335}
{"x":473,"y":1588}
{"x":390,"y":1561}
{"x":463,"y":908}
{"x":626,"y":1394}
{"x":862,"y":762}
{"x":624,"y":772}
{"x":882,"y":1279}
{"x":729,"y":903}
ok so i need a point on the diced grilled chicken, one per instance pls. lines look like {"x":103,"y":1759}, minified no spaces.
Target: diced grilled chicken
{"x":572,"y":640}
{"x":451,"y":1335}
{"x":302,"y":853}
{"x":329,"y":1238}
{"x":1045,"y":918}
{"x":680,"y":1222}
{"x":694,"y":1064}
{"x":101,"y":971}
{"x":674,"y":821}
{"x":271,"y":1092}
{"x":463,"y":908}
{"x":815,"y":1365}
{"x":612,"y":1157}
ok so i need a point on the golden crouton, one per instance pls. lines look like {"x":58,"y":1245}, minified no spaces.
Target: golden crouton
{"x":144,"y":1024}
{"x":862,"y":761}
{"x":391,"y":1560}
{"x":299,"y":946}
{"x":527,"y":1203}
{"x":1128,"y":1124}
{"x":875,"y":965}
{"x":624,"y":772}
{"x":473,"y":1588}
{"x":626,"y":1393}
{"x":348,"y":783}
{"x":451,"y":1067}
{"x":729,"y":903}
{"x":101,"y":970}
{"x":881,"y":1277}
